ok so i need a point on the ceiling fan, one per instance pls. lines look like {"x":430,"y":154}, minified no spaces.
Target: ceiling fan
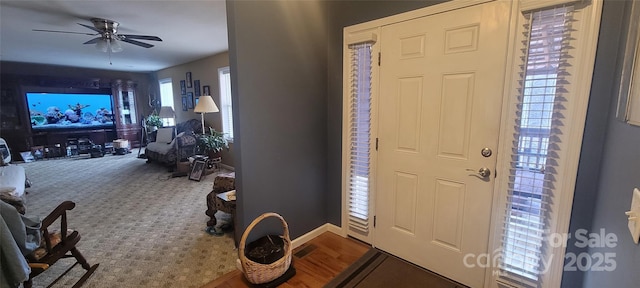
{"x":108,"y":39}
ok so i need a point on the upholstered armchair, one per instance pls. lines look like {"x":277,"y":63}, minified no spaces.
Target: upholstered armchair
{"x":169,"y":150}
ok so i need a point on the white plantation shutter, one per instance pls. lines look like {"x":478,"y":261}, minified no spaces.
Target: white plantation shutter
{"x":359,"y":137}
{"x":225,"y":102}
{"x":536,"y":153}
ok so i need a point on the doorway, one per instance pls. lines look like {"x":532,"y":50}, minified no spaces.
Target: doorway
{"x":441,"y":82}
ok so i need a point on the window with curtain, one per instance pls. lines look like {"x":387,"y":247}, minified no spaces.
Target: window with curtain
{"x":359,"y":137}
{"x":536,"y":153}
{"x":166,"y":99}
{"x":226,"y":110}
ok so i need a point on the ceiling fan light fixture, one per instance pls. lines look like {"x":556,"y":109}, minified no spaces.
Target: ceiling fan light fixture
{"x":104,"y":45}
{"x":115,"y":46}
{"x":108,"y":40}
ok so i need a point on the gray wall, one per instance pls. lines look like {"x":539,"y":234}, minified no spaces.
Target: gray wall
{"x":620,"y":166}
{"x":595,"y":133}
{"x":278,"y":65}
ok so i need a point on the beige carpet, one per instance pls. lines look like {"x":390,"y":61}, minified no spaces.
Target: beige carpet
{"x":144,"y":229}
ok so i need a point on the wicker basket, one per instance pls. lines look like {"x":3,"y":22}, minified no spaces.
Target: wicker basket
{"x":258,"y":273}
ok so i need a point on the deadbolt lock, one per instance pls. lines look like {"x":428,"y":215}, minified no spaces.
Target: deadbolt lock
{"x":486,"y":152}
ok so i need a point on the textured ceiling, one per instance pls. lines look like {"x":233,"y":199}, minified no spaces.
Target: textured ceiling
{"x":190,"y":30}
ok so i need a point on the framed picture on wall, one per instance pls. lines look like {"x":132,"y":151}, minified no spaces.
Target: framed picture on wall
{"x":196,"y":87}
{"x":184,"y":103}
{"x":197,"y":100}
{"x":190,"y":100}
{"x":189,"y":83}
{"x":183,"y":87}
{"x":206,"y":90}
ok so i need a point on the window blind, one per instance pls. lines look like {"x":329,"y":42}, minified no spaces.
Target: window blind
{"x":534,"y":161}
{"x":225,"y":102}
{"x":359,"y":137}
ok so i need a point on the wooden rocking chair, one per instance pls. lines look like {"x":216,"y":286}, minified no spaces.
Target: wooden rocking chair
{"x":56,"y":246}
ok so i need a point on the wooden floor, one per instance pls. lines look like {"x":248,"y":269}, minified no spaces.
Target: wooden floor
{"x":316,"y":262}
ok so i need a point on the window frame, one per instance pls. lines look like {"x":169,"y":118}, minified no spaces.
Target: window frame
{"x":161,"y":82}
{"x":588,"y":15}
{"x":368,"y":35}
{"x":226,"y":105}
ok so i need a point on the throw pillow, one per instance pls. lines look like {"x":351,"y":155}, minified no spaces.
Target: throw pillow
{"x":173,"y":142}
{"x":165,"y":135}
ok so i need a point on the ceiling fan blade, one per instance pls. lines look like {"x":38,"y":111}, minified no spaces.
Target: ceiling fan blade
{"x":143,"y":37}
{"x":93,"y":41}
{"x":68,"y":32}
{"x":90,"y":27}
{"x":134,"y":42}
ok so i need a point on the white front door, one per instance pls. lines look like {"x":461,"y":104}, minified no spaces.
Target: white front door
{"x":441,"y":87}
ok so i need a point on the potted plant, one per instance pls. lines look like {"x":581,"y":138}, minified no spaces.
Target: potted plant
{"x":153,"y":121}
{"x":212,"y":143}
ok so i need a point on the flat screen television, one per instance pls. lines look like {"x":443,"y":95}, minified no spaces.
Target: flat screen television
{"x":50,"y":111}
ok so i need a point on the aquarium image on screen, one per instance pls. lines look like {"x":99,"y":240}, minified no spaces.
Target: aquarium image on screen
{"x":68,"y":111}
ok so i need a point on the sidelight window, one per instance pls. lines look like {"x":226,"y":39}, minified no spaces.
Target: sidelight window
{"x":359,"y":137}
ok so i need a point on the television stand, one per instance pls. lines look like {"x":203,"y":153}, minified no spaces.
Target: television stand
{"x":84,"y":145}
{"x":82,"y":138}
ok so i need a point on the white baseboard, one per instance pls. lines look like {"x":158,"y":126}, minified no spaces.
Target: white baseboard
{"x":328,"y":227}
{"x":337,"y":230}
{"x":227,"y":167}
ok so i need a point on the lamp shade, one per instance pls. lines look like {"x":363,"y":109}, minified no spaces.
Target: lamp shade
{"x":166,"y":112}
{"x":206,"y":105}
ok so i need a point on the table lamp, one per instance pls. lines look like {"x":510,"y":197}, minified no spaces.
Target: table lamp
{"x":205,"y":105}
{"x":166,"y":112}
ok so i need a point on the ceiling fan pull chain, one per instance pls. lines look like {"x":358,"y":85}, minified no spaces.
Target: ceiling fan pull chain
{"x":109,"y":49}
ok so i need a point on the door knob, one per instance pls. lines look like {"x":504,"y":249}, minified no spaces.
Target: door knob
{"x":483,"y":172}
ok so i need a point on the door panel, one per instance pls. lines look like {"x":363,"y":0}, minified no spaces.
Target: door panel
{"x":455,"y":115}
{"x":448,"y":214}
{"x":441,"y":83}
{"x":461,"y":39}
{"x":409,"y":112}
{"x":405,"y":202}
